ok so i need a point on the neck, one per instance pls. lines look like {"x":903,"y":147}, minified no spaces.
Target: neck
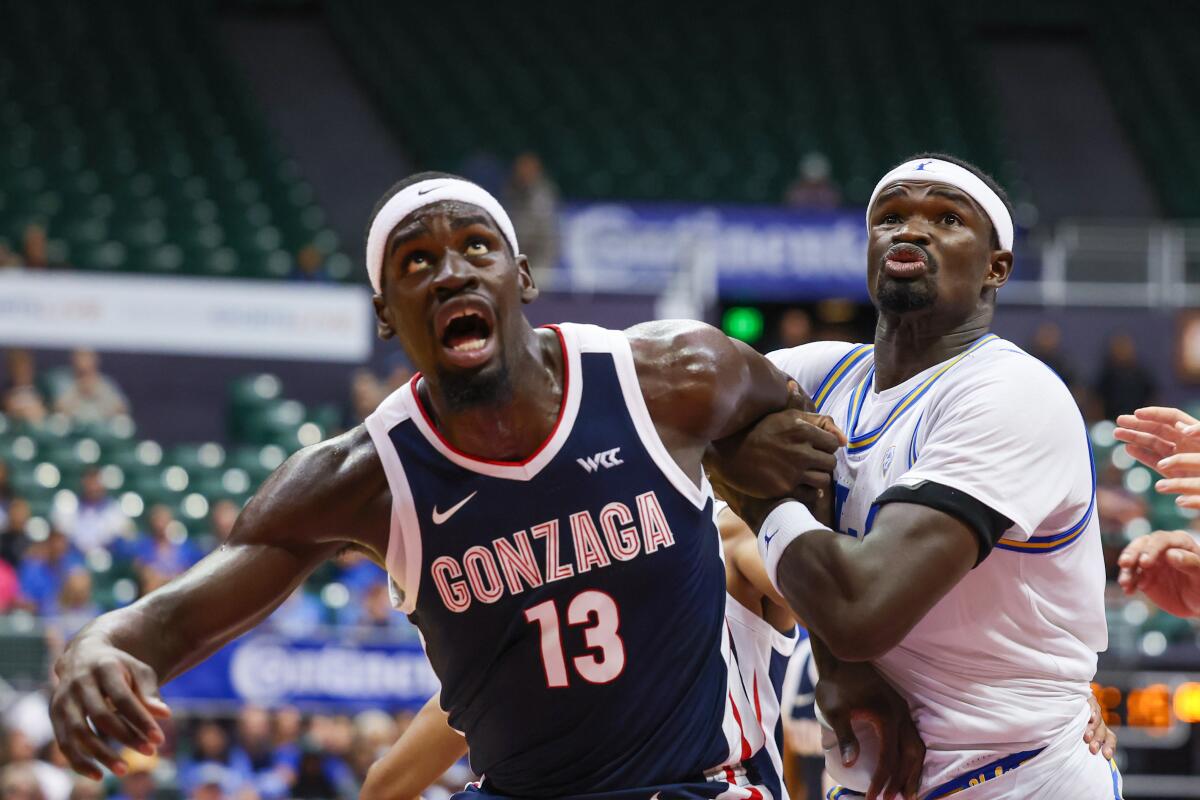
{"x":515,"y":427}
{"x":906,"y":345}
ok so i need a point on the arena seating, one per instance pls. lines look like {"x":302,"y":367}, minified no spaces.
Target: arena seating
{"x":130,"y":138}
{"x":620,"y":109}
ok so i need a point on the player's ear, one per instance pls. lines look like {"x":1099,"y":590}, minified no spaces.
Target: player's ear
{"x":384,"y":326}
{"x":999,"y":269}
{"x":529,"y":290}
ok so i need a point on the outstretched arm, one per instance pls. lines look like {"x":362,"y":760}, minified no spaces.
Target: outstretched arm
{"x":419,"y":757}
{"x":321,"y":499}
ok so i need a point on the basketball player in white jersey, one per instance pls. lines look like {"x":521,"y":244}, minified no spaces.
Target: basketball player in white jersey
{"x":964,"y":557}
{"x":762,"y":630}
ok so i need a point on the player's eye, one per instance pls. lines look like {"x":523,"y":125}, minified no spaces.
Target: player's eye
{"x":890,"y":219}
{"x":477,"y":247}
{"x":418,"y":260}
{"x":952,"y":219}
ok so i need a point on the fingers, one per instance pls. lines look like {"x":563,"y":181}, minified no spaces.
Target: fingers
{"x":1108,"y":744}
{"x":145,"y":683}
{"x":889,"y":761}
{"x":104,"y":719}
{"x":844,"y":731}
{"x":1185,"y":561}
{"x":1140,"y":444}
{"x":826,"y":423}
{"x":1164,"y":415}
{"x":67,"y":720}
{"x":144,"y":732}
{"x":1180,"y":465}
{"x":1178,"y":486}
{"x":822,"y":432}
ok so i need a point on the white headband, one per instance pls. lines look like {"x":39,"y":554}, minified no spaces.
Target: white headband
{"x":425,"y":193}
{"x":932,"y":169}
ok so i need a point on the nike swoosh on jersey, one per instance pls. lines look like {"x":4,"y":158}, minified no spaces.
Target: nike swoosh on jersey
{"x":441,"y":516}
{"x":768,"y":539}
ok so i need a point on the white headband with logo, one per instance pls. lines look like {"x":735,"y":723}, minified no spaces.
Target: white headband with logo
{"x":425,"y":193}
{"x":932,"y":169}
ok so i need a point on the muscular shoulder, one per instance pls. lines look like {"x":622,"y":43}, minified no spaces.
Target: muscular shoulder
{"x":334,"y":490}
{"x":682,"y":366}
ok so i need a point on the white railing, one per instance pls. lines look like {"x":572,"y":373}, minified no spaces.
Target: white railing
{"x":1116,"y":263}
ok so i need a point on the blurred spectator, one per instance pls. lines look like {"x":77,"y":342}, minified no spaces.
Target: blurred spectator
{"x":35,"y":249}
{"x":399,"y":374}
{"x":357,"y":571}
{"x":6,"y":493}
{"x":287,"y":727}
{"x":10,"y":587}
{"x":17,"y":782}
{"x":310,"y":265}
{"x":373,"y":611}
{"x":299,"y":616}
{"x":795,"y":328}
{"x":812,"y":190}
{"x":221,"y":518}
{"x":165,"y":551}
{"x":139,"y":783}
{"x":8,"y":258}
{"x":1047,"y":346}
{"x":91,"y":396}
{"x":255,"y":758}
{"x":97,"y":520}
{"x":532,"y":200}
{"x":22,"y":400}
{"x":87,"y":789}
{"x":52,"y":782}
{"x":14,"y":535}
{"x":74,"y":607}
{"x":365,"y":395}
{"x":486,"y":170}
{"x":45,"y":568}
{"x":211,"y":782}
{"x":1124,"y":383}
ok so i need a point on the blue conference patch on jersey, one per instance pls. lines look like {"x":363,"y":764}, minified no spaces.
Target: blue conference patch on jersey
{"x":574,"y":619}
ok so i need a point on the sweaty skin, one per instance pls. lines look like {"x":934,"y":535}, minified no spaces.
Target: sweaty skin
{"x":698,"y":384}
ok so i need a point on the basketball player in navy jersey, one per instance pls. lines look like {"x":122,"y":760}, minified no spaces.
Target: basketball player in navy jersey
{"x":763,"y":631}
{"x":537,"y":499}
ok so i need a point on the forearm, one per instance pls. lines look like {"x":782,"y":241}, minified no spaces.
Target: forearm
{"x":419,"y":757}
{"x":226,"y":594}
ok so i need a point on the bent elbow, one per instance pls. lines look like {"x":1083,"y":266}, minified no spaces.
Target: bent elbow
{"x":862,"y":640}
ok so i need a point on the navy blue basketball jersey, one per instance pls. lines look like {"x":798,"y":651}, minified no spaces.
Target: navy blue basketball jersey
{"x":573,"y":604}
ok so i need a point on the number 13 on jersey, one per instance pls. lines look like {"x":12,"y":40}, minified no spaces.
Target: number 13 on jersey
{"x":596,"y":610}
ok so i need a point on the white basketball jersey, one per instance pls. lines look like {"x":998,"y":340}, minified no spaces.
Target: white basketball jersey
{"x":1003,"y":662}
{"x":763,"y":654}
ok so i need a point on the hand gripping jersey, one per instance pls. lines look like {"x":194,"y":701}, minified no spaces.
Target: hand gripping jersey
{"x":573,"y":604}
{"x":1002,"y":664}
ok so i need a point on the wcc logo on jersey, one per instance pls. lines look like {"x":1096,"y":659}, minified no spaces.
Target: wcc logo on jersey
{"x":606,"y":458}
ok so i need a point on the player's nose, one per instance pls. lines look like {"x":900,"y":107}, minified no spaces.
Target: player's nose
{"x":914,"y":231}
{"x":454,"y":273}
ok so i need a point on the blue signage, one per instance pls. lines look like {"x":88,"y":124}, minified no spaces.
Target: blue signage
{"x":755,"y":253}
{"x":270,"y":670}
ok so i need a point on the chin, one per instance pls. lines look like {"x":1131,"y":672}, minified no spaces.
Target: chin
{"x":486,"y":385}
{"x":896,"y":297}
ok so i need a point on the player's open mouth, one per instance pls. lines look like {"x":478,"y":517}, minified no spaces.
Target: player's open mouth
{"x":465,"y":326}
{"x":905,"y":261}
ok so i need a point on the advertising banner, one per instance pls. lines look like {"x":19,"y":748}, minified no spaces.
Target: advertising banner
{"x":757,"y":253}
{"x":224,"y":317}
{"x":271,"y":670}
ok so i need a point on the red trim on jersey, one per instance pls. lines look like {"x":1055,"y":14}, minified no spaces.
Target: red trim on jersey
{"x":730,"y":776}
{"x":757,"y":704}
{"x":562,"y":408}
{"x":746,"y":751}
{"x":755,"y":794}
